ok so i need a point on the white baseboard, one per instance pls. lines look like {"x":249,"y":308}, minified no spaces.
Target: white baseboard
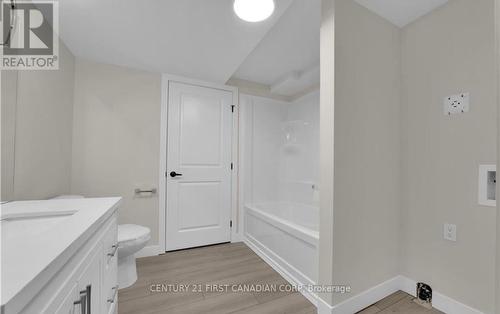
{"x":324,"y":307}
{"x":293,"y":280}
{"x":368,"y":297}
{"x":152,"y":250}
{"x":236,"y":237}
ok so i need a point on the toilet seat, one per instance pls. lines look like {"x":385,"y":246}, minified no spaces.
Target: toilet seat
{"x":132,"y":233}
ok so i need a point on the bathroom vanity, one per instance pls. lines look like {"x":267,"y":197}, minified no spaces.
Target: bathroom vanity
{"x":59,"y":256}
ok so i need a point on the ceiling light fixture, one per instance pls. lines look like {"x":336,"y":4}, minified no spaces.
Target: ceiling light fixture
{"x":253,"y":10}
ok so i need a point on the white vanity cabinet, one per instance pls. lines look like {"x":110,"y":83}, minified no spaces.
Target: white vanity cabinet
{"x":87,"y":283}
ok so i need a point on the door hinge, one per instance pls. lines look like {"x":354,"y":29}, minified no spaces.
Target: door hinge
{"x":232,"y":108}
{"x":230,"y":223}
{"x":232,"y":166}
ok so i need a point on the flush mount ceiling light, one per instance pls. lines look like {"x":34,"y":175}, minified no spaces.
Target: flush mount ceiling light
{"x":253,"y":10}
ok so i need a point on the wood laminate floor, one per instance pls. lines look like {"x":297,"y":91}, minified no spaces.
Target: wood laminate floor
{"x":399,"y":302}
{"x":209,"y":279}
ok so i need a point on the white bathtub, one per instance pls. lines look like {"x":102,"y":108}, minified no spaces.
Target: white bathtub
{"x":286,"y":236}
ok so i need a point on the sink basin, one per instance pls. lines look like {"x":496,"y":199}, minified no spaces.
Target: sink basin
{"x":25,"y":224}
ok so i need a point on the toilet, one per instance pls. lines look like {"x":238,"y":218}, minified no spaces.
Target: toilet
{"x":131,"y":239}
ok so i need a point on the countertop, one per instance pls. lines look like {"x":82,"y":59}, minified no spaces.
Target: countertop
{"x":33,"y":251}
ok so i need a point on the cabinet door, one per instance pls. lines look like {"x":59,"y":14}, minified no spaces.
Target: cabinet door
{"x":89,"y":283}
{"x":110,"y":268}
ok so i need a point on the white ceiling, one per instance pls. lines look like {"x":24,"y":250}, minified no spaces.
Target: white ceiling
{"x":401,"y":12}
{"x":195,"y":38}
{"x":292,"y":45}
{"x":205,"y":40}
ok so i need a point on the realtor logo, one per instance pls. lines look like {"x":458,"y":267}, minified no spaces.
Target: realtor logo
{"x":29,"y":30}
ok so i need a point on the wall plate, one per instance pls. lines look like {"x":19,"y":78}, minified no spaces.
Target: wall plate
{"x":456,"y":104}
{"x":450,"y":232}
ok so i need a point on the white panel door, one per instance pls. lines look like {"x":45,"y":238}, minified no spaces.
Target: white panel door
{"x":198,"y":166}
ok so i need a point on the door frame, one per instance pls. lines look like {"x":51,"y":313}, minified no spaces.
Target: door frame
{"x":162,"y":184}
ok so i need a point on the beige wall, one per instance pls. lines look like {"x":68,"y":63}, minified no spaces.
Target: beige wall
{"x":402,"y":168}
{"x":367,"y":149}
{"x":41,"y":104}
{"x":447,"y":52}
{"x":497,"y":46}
{"x":116,"y":138}
{"x":8,"y":103}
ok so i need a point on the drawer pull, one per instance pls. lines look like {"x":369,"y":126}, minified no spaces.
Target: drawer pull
{"x":112,"y":300}
{"x":115,"y":248}
{"x":82,"y":302}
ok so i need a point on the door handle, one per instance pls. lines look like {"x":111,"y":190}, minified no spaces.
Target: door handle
{"x":174,"y":174}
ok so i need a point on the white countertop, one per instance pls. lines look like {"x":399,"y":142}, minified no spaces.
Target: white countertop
{"x":33,"y":249}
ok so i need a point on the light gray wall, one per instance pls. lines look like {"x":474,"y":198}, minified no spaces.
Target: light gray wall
{"x":367,"y":149}
{"x":116,"y":138}
{"x":38,"y":143}
{"x":450,"y":51}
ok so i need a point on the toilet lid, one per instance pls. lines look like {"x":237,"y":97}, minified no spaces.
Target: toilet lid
{"x":131,"y":232}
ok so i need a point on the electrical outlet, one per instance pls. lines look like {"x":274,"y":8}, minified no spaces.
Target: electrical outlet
{"x":456,"y":104}
{"x":450,"y":232}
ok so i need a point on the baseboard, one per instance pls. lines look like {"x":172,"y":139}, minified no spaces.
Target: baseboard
{"x":323,"y":307}
{"x":152,"y":250}
{"x":439,"y":301}
{"x":367,"y":297}
{"x":236,"y":237}
{"x":313,"y":298}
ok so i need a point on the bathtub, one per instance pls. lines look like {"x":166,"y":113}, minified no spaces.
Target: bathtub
{"x":286,"y":236}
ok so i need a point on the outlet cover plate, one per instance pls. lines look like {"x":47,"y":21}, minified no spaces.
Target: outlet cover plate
{"x":450,"y":232}
{"x":456,"y":104}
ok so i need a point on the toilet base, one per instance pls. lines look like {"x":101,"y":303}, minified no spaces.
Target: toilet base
{"x":127,"y":271}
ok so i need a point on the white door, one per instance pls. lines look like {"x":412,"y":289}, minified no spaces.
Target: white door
{"x":198,"y":166}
